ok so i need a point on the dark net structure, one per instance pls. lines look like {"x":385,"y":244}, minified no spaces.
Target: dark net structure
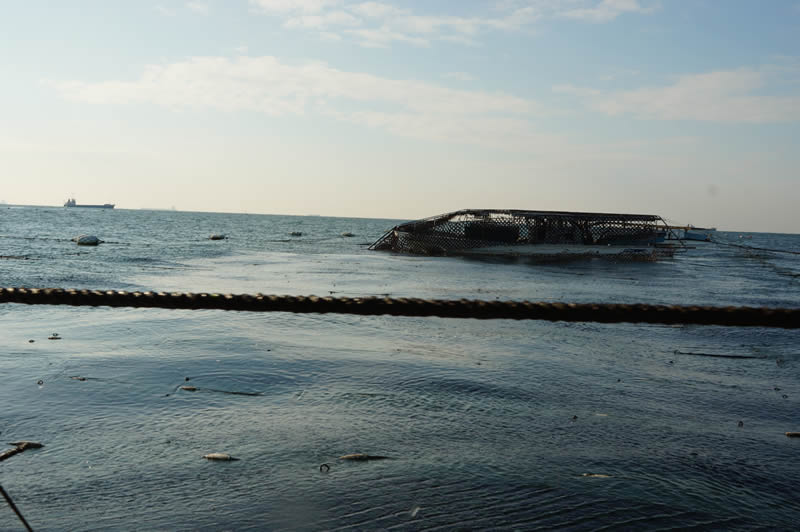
{"x":542,"y":233}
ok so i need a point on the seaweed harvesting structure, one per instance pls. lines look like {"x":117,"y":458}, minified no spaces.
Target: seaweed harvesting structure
{"x":535,"y":234}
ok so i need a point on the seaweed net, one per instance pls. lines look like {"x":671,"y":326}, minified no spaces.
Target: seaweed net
{"x":506,"y":230}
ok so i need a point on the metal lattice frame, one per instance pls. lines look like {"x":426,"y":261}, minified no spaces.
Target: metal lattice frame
{"x":472,"y":228}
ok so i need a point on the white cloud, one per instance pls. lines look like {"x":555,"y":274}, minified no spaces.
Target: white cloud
{"x":377,"y":10}
{"x":266,"y":85}
{"x":382,"y":37}
{"x":720,"y":96}
{"x":382,"y":23}
{"x":607,"y":10}
{"x":330,"y":36}
{"x":332,"y":18}
{"x":289,"y":6}
{"x":198,"y":7}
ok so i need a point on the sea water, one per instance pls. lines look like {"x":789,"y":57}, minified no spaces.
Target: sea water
{"x":488,"y":424}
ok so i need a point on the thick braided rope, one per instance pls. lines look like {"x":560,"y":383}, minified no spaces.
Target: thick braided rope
{"x":787,"y":318}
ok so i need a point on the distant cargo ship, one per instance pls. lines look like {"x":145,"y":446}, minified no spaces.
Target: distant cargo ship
{"x":71,"y":203}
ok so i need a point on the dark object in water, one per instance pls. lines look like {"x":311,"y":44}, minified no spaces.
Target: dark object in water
{"x":87,"y":240}
{"x":55,"y":336}
{"x":324,"y":468}
{"x":535,"y":234}
{"x":190,"y":388}
{"x":222,"y":457}
{"x":296,"y":233}
{"x":363,"y":457}
{"x":793,"y":434}
{"x":19,"y":446}
{"x":31,"y":341}
{"x":348,"y":234}
{"x":741,"y":424}
{"x":25,"y":444}
{"x":79,"y":378}
{"x":713,"y":355}
{"x":14,"y":508}
{"x":217,"y":237}
{"x":40,"y":382}
{"x":595,"y":475}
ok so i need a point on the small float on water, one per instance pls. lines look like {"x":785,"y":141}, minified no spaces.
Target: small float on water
{"x":87,"y":240}
{"x":548,"y":235}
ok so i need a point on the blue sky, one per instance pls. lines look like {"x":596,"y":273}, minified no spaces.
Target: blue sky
{"x":405,"y":109}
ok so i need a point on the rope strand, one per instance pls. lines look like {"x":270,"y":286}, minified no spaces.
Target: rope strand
{"x":788,"y":318}
{"x":13,"y":506}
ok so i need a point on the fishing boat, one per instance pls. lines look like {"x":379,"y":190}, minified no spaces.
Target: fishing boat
{"x":72,"y":203}
{"x":702,"y":234}
{"x":535,"y":234}
{"x":690,"y":232}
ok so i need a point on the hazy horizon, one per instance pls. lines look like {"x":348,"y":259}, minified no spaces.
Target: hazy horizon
{"x":407,"y":109}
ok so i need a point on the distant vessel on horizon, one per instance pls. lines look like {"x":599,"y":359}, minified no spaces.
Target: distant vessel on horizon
{"x":72,"y":203}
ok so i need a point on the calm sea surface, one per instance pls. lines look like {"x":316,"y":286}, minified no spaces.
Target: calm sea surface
{"x":478,"y":416}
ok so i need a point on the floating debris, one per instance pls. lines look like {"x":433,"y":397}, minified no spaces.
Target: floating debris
{"x":31,"y":341}
{"x":54,"y":336}
{"x":217,"y":237}
{"x":363,"y":457}
{"x":793,"y":434}
{"x":324,"y":468}
{"x":741,"y":424}
{"x":296,"y":233}
{"x":40,"y":382}
{"x":595,"y":475}
{"x":19,"y":446}
{"x":414,"y":511}
{"x":79,"y":378}
{"x":223,"y":457}
{"x":87,"y":240}
{"x":25,"y":444}
{"x":347,"y":234}
{"x":713,"y":355}
{"x":190,"y":388}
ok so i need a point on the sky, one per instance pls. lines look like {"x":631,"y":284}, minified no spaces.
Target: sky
{"x":406,"y":109}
